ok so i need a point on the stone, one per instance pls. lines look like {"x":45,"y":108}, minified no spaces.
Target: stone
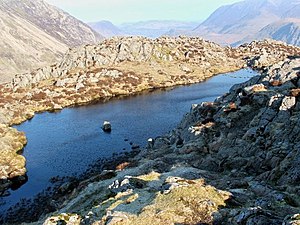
{"x":292,"y":220}
{"x":64,"y":218}
{"x":186,"y":69}
{"x":287,"y":103}
{"x":79,"y":86}
{"x":255,"y":88}
{"x":57,"y":107}
{"x":231,"y":107}
{"x":295,"y":92}
{"x":106,"y":127}
{"x":150,"y":143}
{"x":116,"y":218}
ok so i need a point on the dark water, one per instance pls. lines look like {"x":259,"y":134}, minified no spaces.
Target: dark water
{"x":65,"y":143}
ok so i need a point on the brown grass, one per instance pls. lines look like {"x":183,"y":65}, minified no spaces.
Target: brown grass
{"x":122,"y":166}
{"x":295,"y":92}
{"x":276,"y":83}
{"x":39,"y":96}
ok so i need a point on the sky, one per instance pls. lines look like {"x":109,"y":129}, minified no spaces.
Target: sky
{"x":121,"y":11}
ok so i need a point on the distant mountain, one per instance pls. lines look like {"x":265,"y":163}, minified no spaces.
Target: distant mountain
{"x":249,"y":19}
{"x":106,"y":28}
{"x":34,"y":34}
{"x":52,"y":20}
{"x":282,"y":30}
{"x":155,"y":28}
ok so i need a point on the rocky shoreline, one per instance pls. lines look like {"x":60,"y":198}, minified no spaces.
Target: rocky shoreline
{"x":119,"y":66}
{"x":63,"y":188}
{"x":232,"y":161}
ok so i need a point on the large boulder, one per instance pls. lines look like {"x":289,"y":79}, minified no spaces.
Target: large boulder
{"x":106,"y":127}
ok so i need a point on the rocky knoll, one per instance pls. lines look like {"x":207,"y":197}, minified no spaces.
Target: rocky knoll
{"x":163,"y":56}
{"x":121,"y":66}
{"x":35,"y":34}
{"x":232,"y":161}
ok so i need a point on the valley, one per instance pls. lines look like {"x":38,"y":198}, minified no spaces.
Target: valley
{"x":205,"y":116}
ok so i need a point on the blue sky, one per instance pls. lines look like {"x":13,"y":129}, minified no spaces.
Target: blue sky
{"x":120,"y":11}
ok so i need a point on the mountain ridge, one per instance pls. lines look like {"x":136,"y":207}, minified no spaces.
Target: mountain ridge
{"x":35,"y":34}
{"x":283,"y":30}
{"x":248,"y":20}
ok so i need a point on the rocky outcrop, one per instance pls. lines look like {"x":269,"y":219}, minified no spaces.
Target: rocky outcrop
{"x":245,"y":144}
{"x":35,"y":34}
{"x":12,"y":163}
{"x":153,"y":54}
{"x":254,"y":146}
{"x":184,"y":55}
{"x":261,"y":54}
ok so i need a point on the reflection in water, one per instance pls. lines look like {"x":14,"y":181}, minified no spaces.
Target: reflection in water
{"x":65,"y":143}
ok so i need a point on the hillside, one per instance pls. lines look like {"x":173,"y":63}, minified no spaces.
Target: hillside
{"x":287,"y":31}
{"x":250,"y":20}
{"x":35,"y":34}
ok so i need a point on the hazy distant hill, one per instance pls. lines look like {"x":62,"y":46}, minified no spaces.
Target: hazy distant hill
{"x":251,"y":19}
{"x":155,"y":28}
{"x":106,"y":28}
{"x":286,"y":31}
{"x":34,"y":34}
{"x":233,"y":23}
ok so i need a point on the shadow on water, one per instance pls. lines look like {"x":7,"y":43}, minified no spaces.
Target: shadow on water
{"x":14,"y":183}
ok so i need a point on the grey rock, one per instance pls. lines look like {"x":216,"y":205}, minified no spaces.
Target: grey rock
{"x":287,"y":103}
{"x":106,"y":127}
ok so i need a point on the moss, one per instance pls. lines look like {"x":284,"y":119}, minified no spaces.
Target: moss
{"x":132,"y":198}
{"x":64,"y":218}
{"x":115,"y":204}
{"x":150,"y":177}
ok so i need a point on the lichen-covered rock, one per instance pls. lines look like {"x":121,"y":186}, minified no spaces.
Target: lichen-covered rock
{"x":292,"y":220}
{"x":12,"y":164}
{"x":66,"y":219}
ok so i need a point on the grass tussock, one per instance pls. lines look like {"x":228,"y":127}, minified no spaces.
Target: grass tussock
{"x":188,"y":204}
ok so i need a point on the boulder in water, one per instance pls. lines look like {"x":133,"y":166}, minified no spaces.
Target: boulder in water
{"x":106,"y":127}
